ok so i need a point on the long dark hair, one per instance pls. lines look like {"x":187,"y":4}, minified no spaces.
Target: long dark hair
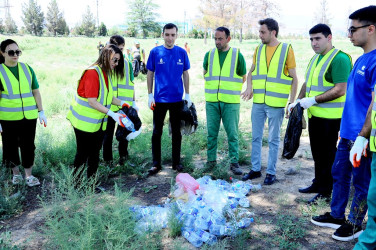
{"x":104,"y":59}
{"x":4,"y":44}
{"x":117,"y":40}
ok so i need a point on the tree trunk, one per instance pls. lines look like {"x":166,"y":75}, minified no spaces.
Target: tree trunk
{"x":241,"y":35}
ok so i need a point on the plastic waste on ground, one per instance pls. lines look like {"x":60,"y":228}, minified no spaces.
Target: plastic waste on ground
{"x":214,"y":209}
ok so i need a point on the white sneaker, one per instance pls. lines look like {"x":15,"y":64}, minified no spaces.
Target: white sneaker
{"x":32,"y":181}
{"x":17,"y":179}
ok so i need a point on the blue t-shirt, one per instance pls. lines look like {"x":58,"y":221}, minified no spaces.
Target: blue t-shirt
{"x":168,"y":66}
{"x":359,"y":95}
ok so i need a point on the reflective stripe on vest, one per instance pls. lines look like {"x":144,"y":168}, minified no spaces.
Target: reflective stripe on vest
{"x":316,"y":84}
{"x":123,"y":89}
{"x":86,"y":118}
{"x":270,"y":85}
{"x":17,"y":100}
{"x":223,"y":84}
{"x":372,"y":141}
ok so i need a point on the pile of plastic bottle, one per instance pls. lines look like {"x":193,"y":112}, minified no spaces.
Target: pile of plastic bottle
{"x":213,"y":209}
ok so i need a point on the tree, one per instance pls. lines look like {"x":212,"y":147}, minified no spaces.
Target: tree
{"x":102,"y":30}
{"x":33,"y":18}
{"x":2,"y":27}
{"x":267,"y":8}
{"x":87,"y":27}
{"x":322,"y":14}
{"x":142,"y":17}
{"x":10,"y":26}
{"x":56,"y":23}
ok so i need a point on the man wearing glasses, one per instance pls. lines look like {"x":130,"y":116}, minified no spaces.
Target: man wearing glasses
{"x":323,"y":95}
{"x":355,"y":164}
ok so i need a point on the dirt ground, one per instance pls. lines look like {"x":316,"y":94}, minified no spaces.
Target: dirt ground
{"x":280,"y":198}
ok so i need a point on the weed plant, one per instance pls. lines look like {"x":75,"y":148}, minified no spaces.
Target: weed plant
{"x":289,"y":230}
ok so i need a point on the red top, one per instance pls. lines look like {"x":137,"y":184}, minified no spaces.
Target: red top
{"x":89,"y":84}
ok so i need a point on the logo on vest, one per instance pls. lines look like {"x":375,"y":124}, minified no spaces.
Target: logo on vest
{"x":179,"y":62}
{"x":161,"y":61}
{"x":361,"y":71}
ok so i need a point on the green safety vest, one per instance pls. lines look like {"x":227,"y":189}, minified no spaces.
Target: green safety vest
{"x":317,"y":84}
{"x":17,"y":100}
{"x":372,"y":142}
{"x":223,"y":84}
{"x":271,"y":86}
{"x":123,"y":89}
{"x":83,"y":116}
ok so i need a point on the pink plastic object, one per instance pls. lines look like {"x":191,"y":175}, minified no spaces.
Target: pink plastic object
{"x":187,"y":182}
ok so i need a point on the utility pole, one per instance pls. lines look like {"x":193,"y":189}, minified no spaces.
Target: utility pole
{"x":97,"y":13}
{"x":6,"y":7}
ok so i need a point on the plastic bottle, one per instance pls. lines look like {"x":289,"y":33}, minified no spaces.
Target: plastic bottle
{"x":201,"y":223}
{"x":244,"y":202}
{"x":218,"y":230}
{"x":256,"y":188}
{"x":245,"y":222}
{"x":189,"y":221}
{"x":128,"y":124}
{"x":193,"y":238}
{"x":193,"y":211}
{"x":206,"y":237}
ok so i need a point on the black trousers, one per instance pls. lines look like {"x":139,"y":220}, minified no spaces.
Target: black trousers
{"x":107,"y":142}
{"x":18,"y":135}
{"x":159,"y":115}
{"x":323,"y":136}
{"x":88,"y":147}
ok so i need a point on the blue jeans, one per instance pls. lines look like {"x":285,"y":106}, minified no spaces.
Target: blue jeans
{"x":275,"y":117}
{"x":342,"y":171}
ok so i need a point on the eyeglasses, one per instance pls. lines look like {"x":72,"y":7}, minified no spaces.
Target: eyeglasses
{"x":14,"y":52}
{"x":352,"y":29}
{"x":115,"y":60}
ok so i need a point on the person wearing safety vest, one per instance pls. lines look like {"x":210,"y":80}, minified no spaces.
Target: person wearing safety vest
{"x":168,"y":67}
{"x":138,"y":53}
{"x":20,"y":106}
{"x":323,"y":95}
{"x":352,"y":163}
{"x":224,"y":72}
{"x":90,"y":108}
{"x":124,"y":90}
{"x":270,"y":81}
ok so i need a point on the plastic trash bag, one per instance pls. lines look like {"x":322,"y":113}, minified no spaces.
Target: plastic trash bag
{"x":121,"y":132}
{"x":293,"y":132}
{"x":188,"y":120}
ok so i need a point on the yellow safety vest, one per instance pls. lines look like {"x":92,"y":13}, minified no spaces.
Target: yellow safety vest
{"x":83,"y":116}
{"x":372,"y":142}
{"x":271,"y":86}
{"x":123,"y":89}
{"x":317,"y":84}
{"x":17,"y":100}
{"x":223,"y":84}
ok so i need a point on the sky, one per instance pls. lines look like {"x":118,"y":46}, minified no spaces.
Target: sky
{"x":295,"y":16}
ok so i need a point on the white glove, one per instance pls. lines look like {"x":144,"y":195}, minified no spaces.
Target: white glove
{"x":151,"y":102}
{"x":292,"y":105}
{"x":307,"y":102}
{"x":358,"y":149}
{"x":1,"y":129}
{"x":124,"y":104}
{"x":188,"y":99}
{"x":116,"y":116}
{"x":42,"y":118}
{"x":134,"y":105}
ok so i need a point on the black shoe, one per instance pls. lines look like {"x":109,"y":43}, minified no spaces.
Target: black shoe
{"x":309,"y":190}
{"x":236,"y":169}
{"x":123,"y":159}
{"x":154,"y":170}
{"x":347,"y":231}
{"x":178,"y":167}
{"x":319,"y":196}
{"x":269,"y":179}
{"x":327,"y":220}
{"x":110,"y":164}
{"x":251,"y":175}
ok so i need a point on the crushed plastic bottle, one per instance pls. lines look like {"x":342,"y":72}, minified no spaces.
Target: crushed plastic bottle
{"x":128,"y":124}
{"x":193,"y":238}
{"x":206,"y":237}
{"x":244,"y":223}
{"x":244,"y":202}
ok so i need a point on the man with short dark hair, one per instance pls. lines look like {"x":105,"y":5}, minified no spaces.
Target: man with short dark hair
{"x":270,"y":81}
{"x":323,"y":95}
{"x":346,"y":167}
{"x":224,"y":72}
{"x":168,"y":65}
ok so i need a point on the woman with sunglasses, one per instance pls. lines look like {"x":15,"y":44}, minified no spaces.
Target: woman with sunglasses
{"x":20,"y":106}
{"x":90,"y":108}
{"x":124,"y":90}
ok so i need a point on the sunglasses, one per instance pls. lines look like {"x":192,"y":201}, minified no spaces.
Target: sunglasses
{"x":115,"y":60}
{"x":14,"y":52}
{"x":353,"y":29}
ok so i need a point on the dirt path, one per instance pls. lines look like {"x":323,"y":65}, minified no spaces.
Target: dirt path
{"x":269,"y":205}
